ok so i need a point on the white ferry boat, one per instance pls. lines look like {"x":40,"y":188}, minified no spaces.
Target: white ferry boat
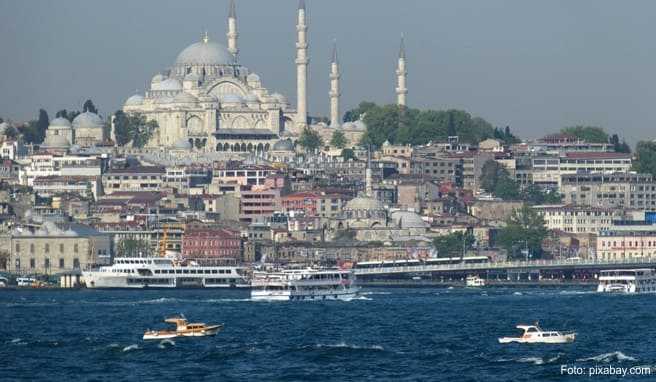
{"x":160,"y":272}
{"x":627,"y":281}
{"x":304,"y":285}
{"x":473,"y":281}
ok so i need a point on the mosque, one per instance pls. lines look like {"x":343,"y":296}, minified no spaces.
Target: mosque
{"x":209,"y":102}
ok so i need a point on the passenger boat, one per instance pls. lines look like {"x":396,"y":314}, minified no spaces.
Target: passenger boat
{"x":627,"y":281}
{"x":473,"y":281}
{"x":182,"y":329}
{"x":304,"y":285}
{"x":158,"y":272}
{"x":534,"y":335}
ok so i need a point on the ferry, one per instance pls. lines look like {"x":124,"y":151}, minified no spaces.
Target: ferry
{"x":533,"y":334}
{"x":627,"y":281}
{"x":473,"y":281}
{"x":304,"y":285}
{"x":156,"y":272}
{"x":182,"y":329}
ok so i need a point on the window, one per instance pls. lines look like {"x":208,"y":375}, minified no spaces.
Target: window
{"x":32,"y":263}
{"x":32,"y":248}
{"x":18,"y":247}
{"x":75,"y":248}
{"x":46,"y":263}
{"x":61,"y":263}
{"x":47,"y":248}
{"x":61,"y":248}
{"x":76,"y":262}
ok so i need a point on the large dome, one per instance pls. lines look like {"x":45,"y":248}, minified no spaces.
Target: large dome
{"x":205,"y":53}
{"x":60,"y":122}
{"x":87,"y":120}
{"x":283,"y":145}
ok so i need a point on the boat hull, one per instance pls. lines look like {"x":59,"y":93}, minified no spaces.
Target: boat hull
{"x":564,"y":339}
{"x":165,"y":334}
{"x":288,"y":296}
{"x":99,"y":280}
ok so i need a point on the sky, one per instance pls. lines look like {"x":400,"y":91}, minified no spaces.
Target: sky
{"x":533,"y":65}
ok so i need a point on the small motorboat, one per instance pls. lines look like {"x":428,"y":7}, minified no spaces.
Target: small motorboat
{"x":183,"y":329}
{"x":534,"y":335}
{"x":473,"y":281}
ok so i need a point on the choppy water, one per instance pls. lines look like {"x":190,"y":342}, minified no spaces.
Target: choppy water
{"x":389,"y":334}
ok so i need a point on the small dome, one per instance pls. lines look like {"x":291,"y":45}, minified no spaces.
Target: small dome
{"x":283,"y":145}
{"x":157,"y":78}
{"x":60,"y":122}
{"x":205,"y":53}
{"x":253,"y":78}
{"x":182,"y":144}
{"x":185,"y":98}
{"x":231,"y":98}
{"x":408,"y":219}
{"x":364,"y":203}
{"x":169,"y":84}
{"x":135,"y":100}
{"x":386,"y":143}
{"x":87,"y":120}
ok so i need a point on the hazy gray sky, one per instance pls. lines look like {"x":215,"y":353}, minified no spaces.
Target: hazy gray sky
{"x":533,"y":65}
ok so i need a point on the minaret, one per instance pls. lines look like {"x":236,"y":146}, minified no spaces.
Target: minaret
{"x":334,"y":89}
{"x":401,"y":74}
{"x":369,"y":186}
{"x":232,"y":30}
{"x":302,"y":61}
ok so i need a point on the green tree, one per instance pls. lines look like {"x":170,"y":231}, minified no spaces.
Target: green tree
{"x":592,"y":134}
{"x":524,"y":228}
{"x":490,"y":174}
{"x":310,"y":140}
{"x":11,"y":132}
{"x":619,"y":147}
{"x":133,"y":248}
{"x":35,"y":131}
{"x":355,"y":114}
{"x":89,"y":107}
{"x":338,"y":139}
{"x":348,"y":154}
{"x":133,"y":128}
{"x":507,"y":188}
{"x":533,"y":195}
{"x":645,"y":161}
{"x":451,"y":245}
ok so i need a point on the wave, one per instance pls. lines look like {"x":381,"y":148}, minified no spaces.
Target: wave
{"x":616,"y":356}
{"x":131,"y":347}
{"x":518,"y":294}
{"x":372,"y":293}
{"x":534,"y":360}
{"x":16,"y":340}
{"x":358,"y":298}
{"x":166,"y":343}
{"x":344,"y":345}
{"x":575,"y":292}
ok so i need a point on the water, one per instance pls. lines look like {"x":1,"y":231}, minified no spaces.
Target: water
{"x":389,"y":334}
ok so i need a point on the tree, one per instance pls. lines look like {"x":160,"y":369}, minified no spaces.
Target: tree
{"x":525,"y":227}
{"x":490,"y":174}
{"x":310,"y":140}
{"x":451,"y":245}
{"x":355,"y":114}
{"x":645,"y":161}
{"x":35,"y":131}
{"x":133,"y":128}
{"x":619,"y":147}
{"x":89,"y":107}
{"x":592,"y":134}
{"x":11,"y":132}
{"x":417,"y":127}
{"x":534,"y":195}
{"x":348,"y":154}
{"x":133,"y":248}
{"x":338,"y":139}
{"x":506,"y":188}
